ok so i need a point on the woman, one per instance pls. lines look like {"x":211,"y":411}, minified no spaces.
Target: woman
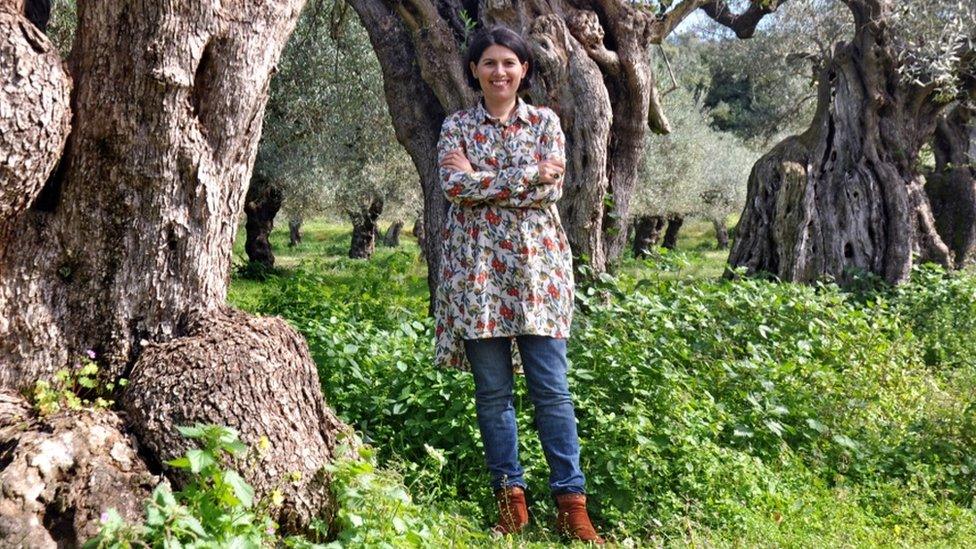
{"x":507,"y":274}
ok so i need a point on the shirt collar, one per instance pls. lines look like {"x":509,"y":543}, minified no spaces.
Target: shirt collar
{"x":521,"y":112}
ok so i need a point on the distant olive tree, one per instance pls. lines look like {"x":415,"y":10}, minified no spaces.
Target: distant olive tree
{"x":696,"y":171}
{"x":328,"y":145}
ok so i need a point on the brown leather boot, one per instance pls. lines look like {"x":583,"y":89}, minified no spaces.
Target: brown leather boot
{"x":573,"y":521}
{"x":513,"y":514}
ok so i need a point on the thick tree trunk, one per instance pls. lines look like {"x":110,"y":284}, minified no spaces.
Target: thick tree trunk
{"x":261,"y":205}
{"x":647,"y":232}
{"x":844,"y":196}
{"x":128,"y":247}
{"x":721,"y":233}
{"x":952,"y":185}
{"x":671,"y":233}
{"x":392,"y":237}
{"x":294,"y":232}
{"x":364,"y":230}
{"x":592,"y":68}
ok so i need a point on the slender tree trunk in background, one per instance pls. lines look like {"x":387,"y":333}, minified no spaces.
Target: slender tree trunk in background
{"x":128,"y":251}
{"x":418,"y":233}
{"x":261,"y":205}
{"x":721,"y":233}
{"x":647,"y":232}
{"x":294,"y":231}
{"x":593,"y":69}
{"x":952,"y":185}
{"x":364,"y":230}
{"x":845,"y":196}
{"x":392,"y":238}
{"x":671,"y":233}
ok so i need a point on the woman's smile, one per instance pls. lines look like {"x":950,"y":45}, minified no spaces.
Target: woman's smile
{"x":500,"y":73}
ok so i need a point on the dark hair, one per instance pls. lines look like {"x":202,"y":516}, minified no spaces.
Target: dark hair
{"x":501,"y":36}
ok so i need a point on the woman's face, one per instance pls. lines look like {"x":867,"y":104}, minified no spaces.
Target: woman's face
{"x":499,"y":72}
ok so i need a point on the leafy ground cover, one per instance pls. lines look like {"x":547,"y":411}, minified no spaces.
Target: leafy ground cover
{"x":712,"y":412}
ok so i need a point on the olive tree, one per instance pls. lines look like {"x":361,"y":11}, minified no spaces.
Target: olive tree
{"x":124,"y":252}
{"x":696,"y":171}
{"x":846,"y":195}
{"x":593,"y":69}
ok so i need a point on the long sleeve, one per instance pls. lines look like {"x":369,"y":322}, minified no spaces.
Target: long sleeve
{"x":552,"y":146}
{"x":482,"y":186}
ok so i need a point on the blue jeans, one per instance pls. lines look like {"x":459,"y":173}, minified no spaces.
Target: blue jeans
{"x":544,"y":362}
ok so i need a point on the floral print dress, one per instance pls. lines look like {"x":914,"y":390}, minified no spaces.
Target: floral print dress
{"x":507,"y":266}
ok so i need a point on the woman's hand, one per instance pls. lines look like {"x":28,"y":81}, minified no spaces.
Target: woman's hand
{"x":551,"y":170}
{"x":457,"y":161}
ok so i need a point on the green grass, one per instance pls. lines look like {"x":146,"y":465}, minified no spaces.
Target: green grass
{"x":326,"y":245}
{"x":713,"y":413}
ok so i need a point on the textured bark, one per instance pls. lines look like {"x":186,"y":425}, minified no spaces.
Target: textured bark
{"x":671,"y":232}
{"x":647,"y":232}
{"x":136,"y":229}
{"x":128,"y":246}
{"x":34,"y":118}
{"x":253,"y":374}
{"x":62,"y":472}
{"x":261,"y":205}
{"x":844,"y":196}
{"x":721,"y":233}
{"x":294,"y":232}
{"x":592,"y":68}
{"x":392,"y":237}
{"x":418,"y":233}
{"x":952,"y":185}
{"x":364,"y":230}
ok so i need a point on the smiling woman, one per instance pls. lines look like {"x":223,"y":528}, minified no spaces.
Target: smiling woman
{"x":507,"y":274}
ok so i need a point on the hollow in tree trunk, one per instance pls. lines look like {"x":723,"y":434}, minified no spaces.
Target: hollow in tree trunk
{"x":952,"y":184}
{"x":261,"y":205}
{"x":844,"y":196}
{"x":364,"y":230}
{"x":647,"y":232}
{"x":127,"y":251}
{"x":671,"y":232}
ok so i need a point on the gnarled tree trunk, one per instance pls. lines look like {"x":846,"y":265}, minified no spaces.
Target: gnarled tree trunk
{"x":128,"y":247}
{"x":261,"y":205}
{"x":647,"y":232}
{"x":294,"y":231}
{"x":671,"y":233}
{"x":392,"y":237}
{"x":364,"y":230}
{"x":844,"y":196}
{"x":721,"y":233}
{"x":952,"y":184}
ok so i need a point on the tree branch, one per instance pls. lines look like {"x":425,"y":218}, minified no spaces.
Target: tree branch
{"x":664,"y":24}
{"x":742,"y":24}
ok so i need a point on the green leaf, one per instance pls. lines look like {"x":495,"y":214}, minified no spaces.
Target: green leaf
{"x":241,"y":488}
{"x":191,"y":432}
{"x":179,"y":463}
{"x":191,"y":524}
{"x":199,"y":460}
